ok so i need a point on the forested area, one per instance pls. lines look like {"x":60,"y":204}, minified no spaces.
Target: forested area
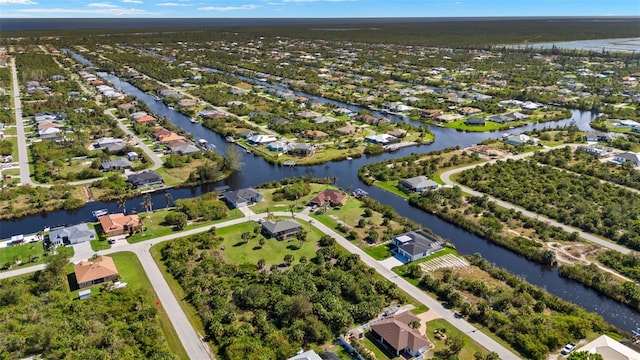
{"x":488,"y":220}
{"x":414,"y":165}
{"x":575,"y":200}
{"x":581,"y":162}
{"x":38,"y":317}
{"x":529,"y":319}
{"x":254,"y":313}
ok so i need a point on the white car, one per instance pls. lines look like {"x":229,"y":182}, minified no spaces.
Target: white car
{"x":567,"y":349}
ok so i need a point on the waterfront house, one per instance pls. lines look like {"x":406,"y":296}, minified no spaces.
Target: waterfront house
{"x":381,"y":139}
{"x":71,"y":235}
{"x":449,"y":117}
{"x":187,"y":102}
{"x":98,"y":271}
{"x":418,"y":184}
{"x":260,"y":139}
{"x":415,"y":245}
{"x":147,"y":178}
{"x":476,"y":121}
{"x":282,"y":229}
{"x":242,"y":197}
{"x":302,"y":149}
{"x":626,"y":157}
{"x":119,"y":224}
{"x":329,"y":196}
{"x":277,"y":146}
{"x":348,"y":129}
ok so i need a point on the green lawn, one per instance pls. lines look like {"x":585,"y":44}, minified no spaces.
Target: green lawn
{"x":392,"y":187}
{"x":273,"y":251}
{"x":24,"y":251}
{"x":269,"y":204}
{"x":489,"y":125}
{"x":379,"y":252}
{"x":154,"y":228}
{"x":374,"y":347}
{"x":421,"y":308}
{"x":470,"y":348}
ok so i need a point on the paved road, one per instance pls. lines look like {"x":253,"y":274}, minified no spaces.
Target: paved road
{"x":446,"y":178}
{"x":157,"y":162}
{"x":435,"y":306}
{"x":23,"y":157}
{"x":191,"y":340}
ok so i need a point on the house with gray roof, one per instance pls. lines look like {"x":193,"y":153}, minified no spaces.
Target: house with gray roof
{"x":282,"y":229}
{"x":115,"y":164}
{"x":242,"y":197}
{"x":71,"y":235}
{"x":415,"y":245}
{"x":147,"y":178}
{"x":418,"y":184}
{"x":627,"y":157}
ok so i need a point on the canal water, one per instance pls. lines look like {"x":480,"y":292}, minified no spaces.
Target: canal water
{"x":256,"y":171}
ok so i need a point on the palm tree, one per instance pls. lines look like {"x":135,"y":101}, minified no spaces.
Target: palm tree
{"x":167,"y":199}
{"x":122,"y":203}
{"x":147,"y":204}
{"x":334,"y":180}
{"x":291,"y":207}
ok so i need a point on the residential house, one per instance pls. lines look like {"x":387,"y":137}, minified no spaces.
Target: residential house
{"x":147,"y":178}
{"x":132,"y":156}
{"x":381,"y":139}
{"x":279,"y":121}
{"x":128,"y":106}
{"x":277,"y":146}
{"x":182,"y":147}
{"x":48,"y":124}
{"x":397,"y":132}
{"x":242,"y":197}
{"x":330,"y":197}
{"x":98,"y":271}
{"x":593,"y":136}
{"x":449,"y":117}
{"x":610,"y":349}
{"x":308,"y":114}
{"x":145,"y":118}
{"x":119,"y":224}
{"x":52,"y":133}
{"x":116,"y":164}
{"x":323,"y":119}
{"x":114,"y":147}
{"x":164,"y":135}
{"x":261,"y":139}
{"x":307,"y":355}
{"x":106,"y":141}
{"x":396,"y":334}
{"x":507,"y":118}
{"x":418,"y":184}
{"x":476,"y":121}
{"x":430,"y":113}
{"x":595,"y":149}
{"x":468,"y":110}
{"x":282,"y":229}
{"x":415,"y":245}
{"x":187,"y":102}
{"x":71,"y":235}
{"x":372,"y":120}
{"x":247,"y":134}
{"x":521,"y":139}
{"x":315,"y":134}
{"x":302,"y":149}
{"x":627,"y":157}
{"x":348,"y":129}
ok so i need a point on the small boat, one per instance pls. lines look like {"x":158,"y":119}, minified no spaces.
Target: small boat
{"x":193,"y":120}
{"x":203,"y":143}
{"x":349,"y":158}
{"x":230,"y":139}
{"x":101,"y":212}
{"x":171,"y":107}
{"x":156,"y":98}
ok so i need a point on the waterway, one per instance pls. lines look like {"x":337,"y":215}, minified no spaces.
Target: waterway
{"x":256,"y":171}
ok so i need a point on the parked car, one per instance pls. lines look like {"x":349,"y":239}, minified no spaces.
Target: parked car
{"x":567,"y":349}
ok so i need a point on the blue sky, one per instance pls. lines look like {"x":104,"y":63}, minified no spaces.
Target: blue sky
{"x":313,"y":8}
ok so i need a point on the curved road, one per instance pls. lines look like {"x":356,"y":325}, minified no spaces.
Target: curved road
{"x":446,"y":178}
{"x":192,"y":341}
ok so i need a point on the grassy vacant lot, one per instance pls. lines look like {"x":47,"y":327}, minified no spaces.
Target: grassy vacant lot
{"x":269,"y":204}
{"x":154,"y":227}
{"x":236,"y":250}
{"x":470,"y":348}
{"x":489,"y":125}
{"x":379,"y":252}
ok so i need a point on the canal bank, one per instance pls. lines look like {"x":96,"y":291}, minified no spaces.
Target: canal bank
{"x":256,"y":171}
